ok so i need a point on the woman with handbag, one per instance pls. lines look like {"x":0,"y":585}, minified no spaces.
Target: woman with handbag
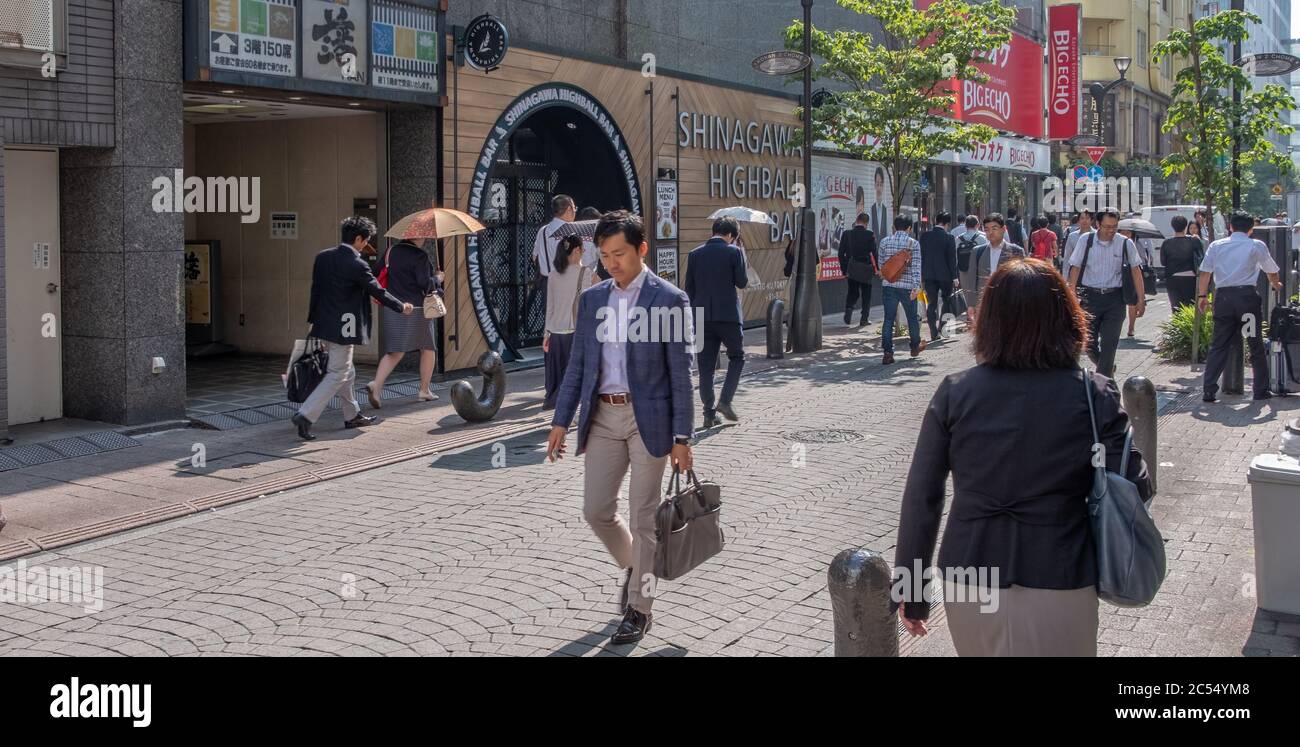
{"x":409,"y":275}
{"x":1018,"y":560}
{"x":566,"y":282}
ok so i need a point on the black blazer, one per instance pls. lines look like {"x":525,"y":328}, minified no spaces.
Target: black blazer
{"x":340,"y":282}
{"x":410,"y":273}
{"x":938,"y":255}
{"x":859,"y":244}
{"x":1019,"y":446}
{"x":714,"y":270}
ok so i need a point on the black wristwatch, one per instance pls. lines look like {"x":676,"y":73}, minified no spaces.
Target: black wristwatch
{"x":682,"y":441}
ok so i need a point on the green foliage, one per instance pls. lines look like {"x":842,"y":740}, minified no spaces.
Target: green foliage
{"x":1175,"y":342}
{"x":1203,"y":118}
{"x":898,"y":82}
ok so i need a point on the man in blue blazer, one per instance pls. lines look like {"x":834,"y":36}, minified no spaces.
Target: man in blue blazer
{"x":715,"y":270}
{"x":630,"y":370}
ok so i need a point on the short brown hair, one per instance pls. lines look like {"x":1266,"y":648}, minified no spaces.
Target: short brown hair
{"x":1029,"y":318}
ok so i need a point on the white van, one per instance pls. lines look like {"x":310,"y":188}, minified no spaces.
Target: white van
{"x":1160,"y":215}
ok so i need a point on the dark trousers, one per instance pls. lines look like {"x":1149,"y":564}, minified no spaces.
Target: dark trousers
{"x":856,"y":289}
{"x":717,"y":334}
{"x":1107,"y":314}
{"x":557,"y":361}
{"x":1231,"y":307}
{"x":933,"y":310}
{"x":1182,"y":291}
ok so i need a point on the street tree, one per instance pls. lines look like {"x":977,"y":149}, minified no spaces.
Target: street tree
{"x":899,"y":85}
{"x":1203,"y":117}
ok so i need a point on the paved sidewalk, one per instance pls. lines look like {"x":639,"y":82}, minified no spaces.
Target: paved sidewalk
{"x":484,"y":551}
{"x":61,"y":502}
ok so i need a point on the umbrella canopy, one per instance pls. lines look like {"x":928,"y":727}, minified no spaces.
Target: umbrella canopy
{"x":584,"y":228}
{"x":744,"y":215}
{"x":1142,"y":229}
{"x":435,"y":223}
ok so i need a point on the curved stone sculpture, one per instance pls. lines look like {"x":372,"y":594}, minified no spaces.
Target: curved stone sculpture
{"x":485,"y":406}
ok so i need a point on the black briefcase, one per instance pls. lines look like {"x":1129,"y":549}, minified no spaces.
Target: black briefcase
{"x":306,"y":373}
{"x":688,"y":526}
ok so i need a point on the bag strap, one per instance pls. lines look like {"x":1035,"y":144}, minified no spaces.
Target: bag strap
{"x":1087,"y":249}
{"x":1092,"y":413}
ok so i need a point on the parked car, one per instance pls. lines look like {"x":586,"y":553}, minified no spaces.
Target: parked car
{"x":1160,"y":215}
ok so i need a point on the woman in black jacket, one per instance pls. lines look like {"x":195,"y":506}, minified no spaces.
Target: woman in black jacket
{"x":1017,"y":560}
{"x":410,"y":278}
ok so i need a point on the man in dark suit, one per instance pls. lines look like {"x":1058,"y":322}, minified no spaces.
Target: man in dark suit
{"x":938,"y":271}
{"x":339,"y":315}
{"x":858,"y":263}
{"x":633,"y":384}
{"x":714,"y":271}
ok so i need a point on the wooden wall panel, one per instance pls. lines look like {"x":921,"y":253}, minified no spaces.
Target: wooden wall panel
{"x":483,"y":97}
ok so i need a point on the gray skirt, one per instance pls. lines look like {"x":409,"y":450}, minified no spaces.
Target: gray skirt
{"x":405,"y":334}
{"x":1022,"y":621}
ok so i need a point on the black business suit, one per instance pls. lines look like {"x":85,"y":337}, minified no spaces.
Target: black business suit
{"x":714,"y":272}
{"x":938,"y":273}
{"x":339,"y":313}
{"x":858,"y":245}
{"x":1018,"y":444}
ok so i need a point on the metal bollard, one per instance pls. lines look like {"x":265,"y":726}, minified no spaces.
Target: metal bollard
{"x":1140,"y":403}
{"x":776,"y":328}
{"x":1234,"y":373}
{"x":485,"y":406}
{"x":859,"y":581}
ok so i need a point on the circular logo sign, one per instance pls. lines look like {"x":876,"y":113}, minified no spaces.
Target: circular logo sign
{"x":486,"y":42}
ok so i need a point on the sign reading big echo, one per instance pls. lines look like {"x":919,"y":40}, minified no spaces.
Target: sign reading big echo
{"x":740,"y":183}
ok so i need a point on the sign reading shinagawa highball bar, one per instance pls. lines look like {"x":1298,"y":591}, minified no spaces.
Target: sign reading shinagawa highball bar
{"x":256,"y":36}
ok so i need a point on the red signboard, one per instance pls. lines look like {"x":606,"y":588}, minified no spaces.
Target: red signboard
{"x":1063,"y":31}
{"x":1011,"y":99}
{"x":1095,"y":152}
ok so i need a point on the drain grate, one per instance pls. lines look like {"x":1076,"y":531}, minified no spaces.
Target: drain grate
{"x":30,"y":455}
{"x":824,"y":436}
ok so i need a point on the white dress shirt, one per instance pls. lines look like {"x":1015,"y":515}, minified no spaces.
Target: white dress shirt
{"x":1104,"y":261}
{"x":995,"y":254}
{"x":1237,"y":260}
{"x":544,"y":245}
{"x":613,"y":352}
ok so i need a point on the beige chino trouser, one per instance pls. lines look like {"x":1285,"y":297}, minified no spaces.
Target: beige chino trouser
{"x":339,"y":378}
{"x":614,"y":444}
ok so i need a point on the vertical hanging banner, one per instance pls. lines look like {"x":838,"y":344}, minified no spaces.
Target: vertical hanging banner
{"x":1064,"y":116}
{"x":405,"y":47}
{"x":334,"y":40}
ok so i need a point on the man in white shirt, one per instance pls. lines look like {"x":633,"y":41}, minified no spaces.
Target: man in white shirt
{"x":1095,"y":269}
{"x":545,"y":244}
{"x":1235,"y":263}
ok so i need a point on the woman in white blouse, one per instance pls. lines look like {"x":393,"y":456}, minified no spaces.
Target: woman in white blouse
{"x":567,"y":280}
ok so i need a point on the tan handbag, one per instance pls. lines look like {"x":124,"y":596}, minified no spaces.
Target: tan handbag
{"x":688,"y":527}
{"x":434,"y":308}
{"x":893,"y":268}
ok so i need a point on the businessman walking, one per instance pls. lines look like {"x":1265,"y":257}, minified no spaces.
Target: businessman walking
{"x":714,"y":272}
{"x":633,"y":385}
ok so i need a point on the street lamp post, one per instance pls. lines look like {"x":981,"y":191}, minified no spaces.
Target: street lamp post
{"x":1100,"y":91}
{"x":806,"y":305}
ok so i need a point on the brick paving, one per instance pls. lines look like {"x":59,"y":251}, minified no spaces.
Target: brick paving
{"x":484,"y":551}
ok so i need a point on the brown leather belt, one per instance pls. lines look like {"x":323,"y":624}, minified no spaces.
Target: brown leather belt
{"x":616,"y":399}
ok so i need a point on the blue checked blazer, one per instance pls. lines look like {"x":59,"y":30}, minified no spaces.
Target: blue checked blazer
{"x":659,"y":373}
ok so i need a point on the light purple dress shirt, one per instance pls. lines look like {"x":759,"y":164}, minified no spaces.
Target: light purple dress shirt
{"x":613,"y":352}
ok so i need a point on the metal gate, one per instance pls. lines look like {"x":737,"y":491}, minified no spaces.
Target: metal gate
{"x":510,"y":280}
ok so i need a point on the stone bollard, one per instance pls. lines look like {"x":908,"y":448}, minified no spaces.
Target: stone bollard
{"x":776,"y":328}
{"x":859,"y":581}
{"x":494,"y":391}
{"x":1140,"y":403}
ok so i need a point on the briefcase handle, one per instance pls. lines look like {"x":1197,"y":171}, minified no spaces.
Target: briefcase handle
{"x":674,"y":482}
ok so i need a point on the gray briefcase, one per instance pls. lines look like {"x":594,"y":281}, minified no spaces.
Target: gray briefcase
{"x":688,"y":526}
